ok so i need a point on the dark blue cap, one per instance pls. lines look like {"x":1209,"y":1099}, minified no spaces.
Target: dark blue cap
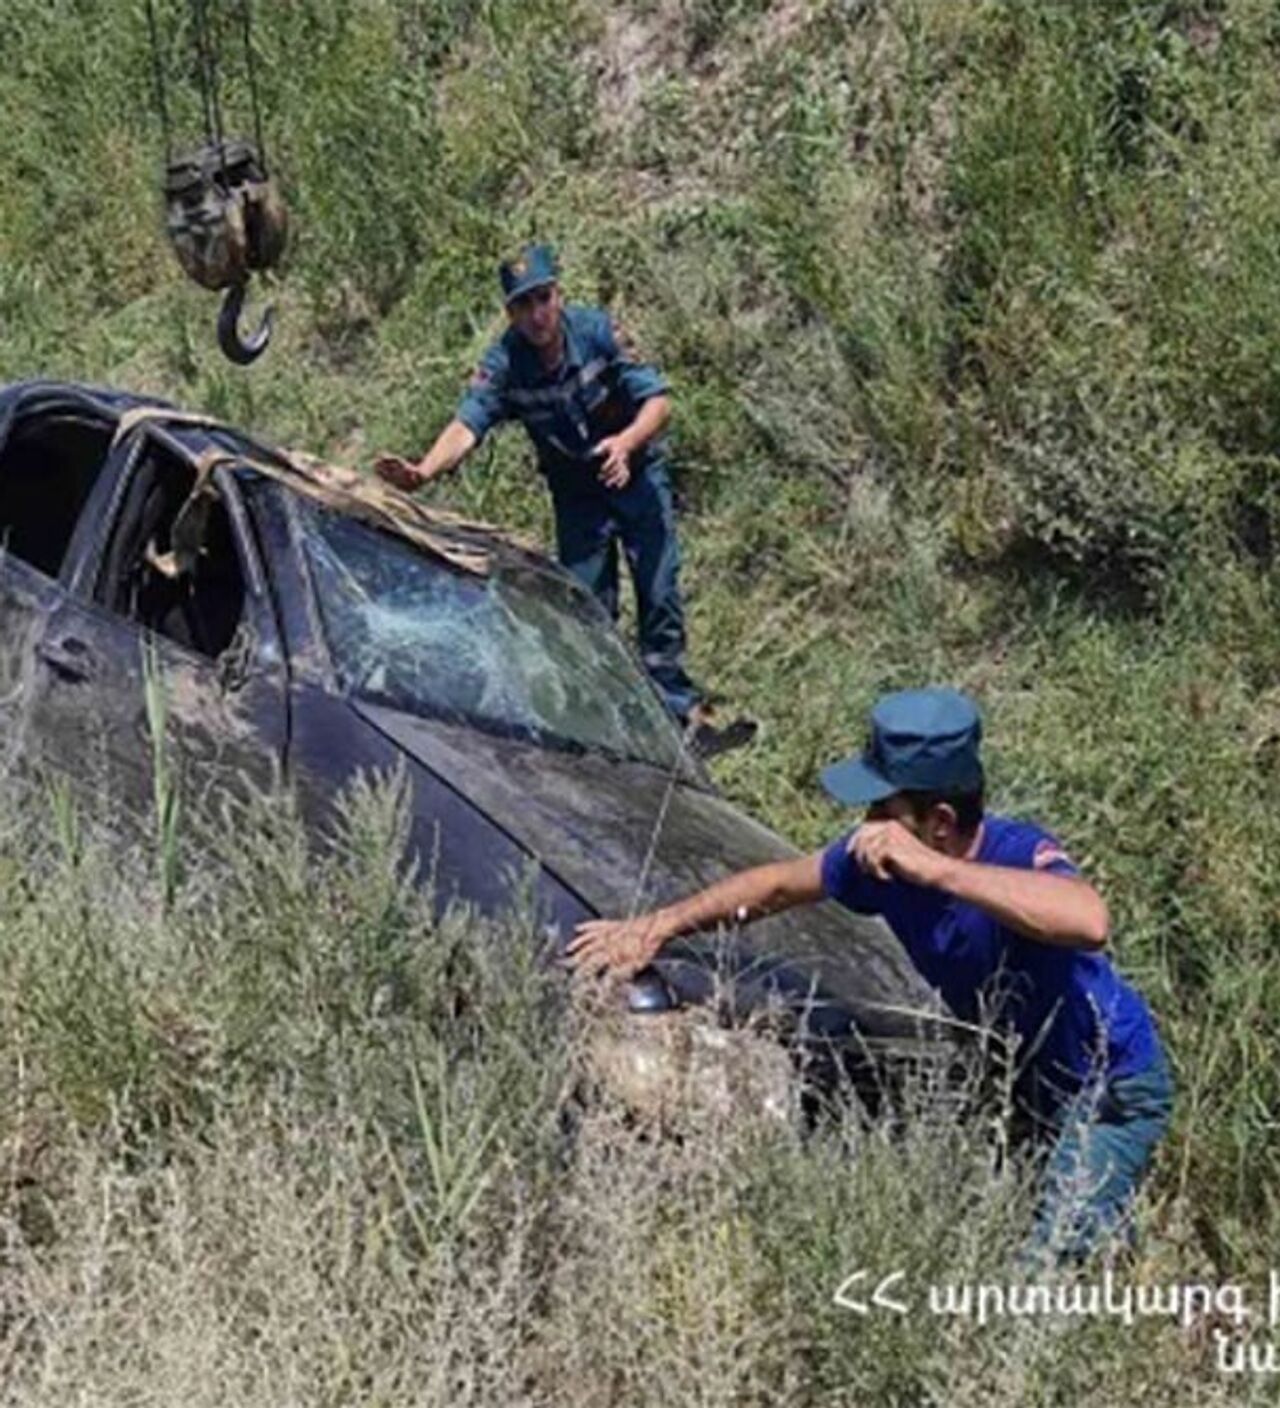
{"x":922,"y":740}
{"x":533,"y":267}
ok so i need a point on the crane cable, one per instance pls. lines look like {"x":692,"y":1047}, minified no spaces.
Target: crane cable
{"x":207,"y":69}
{"x":207,"y":61}
{"x":251,"y":71}
{"x":157,"y":75}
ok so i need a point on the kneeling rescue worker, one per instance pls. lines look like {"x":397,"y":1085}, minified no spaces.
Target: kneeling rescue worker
{"x":996,"y":917}
{"x":596,"y":417}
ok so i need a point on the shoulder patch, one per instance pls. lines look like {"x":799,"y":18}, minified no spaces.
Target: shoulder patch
{"x":1048,"y":852}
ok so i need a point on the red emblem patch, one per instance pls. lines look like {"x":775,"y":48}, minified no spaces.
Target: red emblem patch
{"x":1048,"y":853}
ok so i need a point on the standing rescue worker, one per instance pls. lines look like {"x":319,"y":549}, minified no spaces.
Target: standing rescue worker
{"x":596,"y":417}
{"x":996,"y":917}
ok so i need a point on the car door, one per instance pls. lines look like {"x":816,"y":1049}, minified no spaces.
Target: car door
{"x":161,"y":652}
{"x":53,"y":449}
{"x":27,"y":597}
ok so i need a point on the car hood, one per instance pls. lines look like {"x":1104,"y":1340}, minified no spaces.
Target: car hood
{"x":625,"y":837}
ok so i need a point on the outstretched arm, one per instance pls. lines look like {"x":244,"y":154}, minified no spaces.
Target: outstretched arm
{"x":624,"y":946}
{"x":454,"y":443}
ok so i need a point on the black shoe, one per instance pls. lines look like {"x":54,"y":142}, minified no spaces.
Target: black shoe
{"x":708,"y":741}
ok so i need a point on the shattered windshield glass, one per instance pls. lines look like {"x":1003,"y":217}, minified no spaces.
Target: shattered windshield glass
{"x":520,"y":650}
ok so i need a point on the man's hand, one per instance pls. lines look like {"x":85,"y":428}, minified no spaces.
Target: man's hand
{"x":887,"y":850}
{"x":404,"y":474}
{"x":615,"y":468}
{"x":620,"y":947}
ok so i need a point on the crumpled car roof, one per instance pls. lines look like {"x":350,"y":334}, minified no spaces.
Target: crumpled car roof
{"x":207,"y":442}
{"x":467,"y":544}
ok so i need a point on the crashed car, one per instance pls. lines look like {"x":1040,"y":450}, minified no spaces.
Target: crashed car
{"x":311,"y":623}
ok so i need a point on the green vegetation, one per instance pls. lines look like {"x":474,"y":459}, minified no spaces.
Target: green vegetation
{"x":278,"y":1135}
{"x":971,"y":309}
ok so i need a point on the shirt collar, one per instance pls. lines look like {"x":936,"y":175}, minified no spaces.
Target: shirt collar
{"x":573,"y":358}
{"x":572,"y":361}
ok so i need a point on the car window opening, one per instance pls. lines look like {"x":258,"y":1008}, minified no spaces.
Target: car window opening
{"x":191,"y":593}
{"x":48,"y":465}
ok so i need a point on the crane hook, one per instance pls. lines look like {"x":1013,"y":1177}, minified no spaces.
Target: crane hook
{"x":241,"y":350}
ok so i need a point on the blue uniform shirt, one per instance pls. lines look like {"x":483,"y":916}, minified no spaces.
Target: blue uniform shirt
{"x":1072,"y":1011}
{"x":596,"y":391}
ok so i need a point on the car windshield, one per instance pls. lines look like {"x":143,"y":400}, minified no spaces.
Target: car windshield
{"x":521,"y":651}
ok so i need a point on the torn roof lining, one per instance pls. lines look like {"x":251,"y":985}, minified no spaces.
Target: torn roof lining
{"x":465,"y":544}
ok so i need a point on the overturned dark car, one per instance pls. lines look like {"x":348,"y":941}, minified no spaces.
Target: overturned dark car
{"x":310,"y":623}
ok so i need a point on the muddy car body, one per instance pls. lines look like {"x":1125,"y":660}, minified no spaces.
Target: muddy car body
{"x":310,"y":623}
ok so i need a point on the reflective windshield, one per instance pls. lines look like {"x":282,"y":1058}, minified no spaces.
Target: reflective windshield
{"x":521,"y":651}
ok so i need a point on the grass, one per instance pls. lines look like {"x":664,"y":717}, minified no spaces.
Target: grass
{"x":969,"y":309}
{"x":283,"y":1134}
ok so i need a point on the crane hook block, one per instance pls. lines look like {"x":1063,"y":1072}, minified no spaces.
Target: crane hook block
{"x":225,"y":219}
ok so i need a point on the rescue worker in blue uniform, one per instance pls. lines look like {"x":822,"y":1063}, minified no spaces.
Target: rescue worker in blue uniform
{"x":595,"y":415}
{"x":997,"y":917}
